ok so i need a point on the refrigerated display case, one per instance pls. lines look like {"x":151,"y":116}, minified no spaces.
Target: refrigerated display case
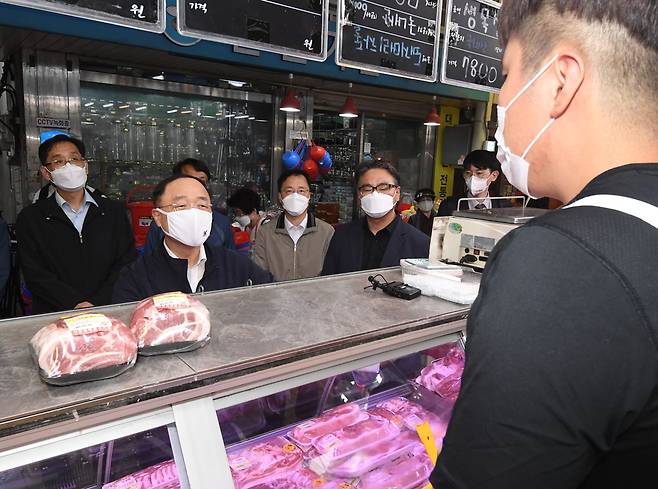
{"x":331,"y":395}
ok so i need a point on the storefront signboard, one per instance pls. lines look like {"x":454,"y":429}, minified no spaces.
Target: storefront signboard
{"x":393,"y":37}
{"x":288,"y":27}
{"x":472,"y":54}
{"x":147,"y":15}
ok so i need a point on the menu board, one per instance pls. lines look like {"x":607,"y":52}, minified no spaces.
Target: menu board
{"x":394,"y":37}
{"x":147,"y":15}
{"x":472,"y":55}
{"x":289,"y":27}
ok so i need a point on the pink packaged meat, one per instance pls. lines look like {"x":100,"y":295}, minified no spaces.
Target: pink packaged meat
{"x":412,"y":414}
{"x":406,"y":472}
{"x":333,"y":420}
{"x":353,"y":438}
{"x":264,"y":462}
{"x":443,"y":376}
{"x":375,"y":456}
{"x":170,"y":323}
{"x":304,"y":479}
{"x":83,"y":348}
{"x":161,"y":476}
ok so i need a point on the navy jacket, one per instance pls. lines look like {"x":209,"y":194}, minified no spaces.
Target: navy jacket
{"x":220,"y":233}
{"x":346,"y":249}
{"x":157,"y":273}
{"x":4,"y":256}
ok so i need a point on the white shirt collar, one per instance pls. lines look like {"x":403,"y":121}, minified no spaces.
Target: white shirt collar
{"x":202,"y":254}
{"x":472,"y":203}
{"x":88,"y":200}
{"x":301,"y":225}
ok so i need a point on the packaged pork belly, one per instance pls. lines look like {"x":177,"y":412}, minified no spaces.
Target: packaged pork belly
{"x":410,"y":471}
{"x":170,"y":323}
{"x":333,"y":420}
{"x":160,"y":476}
{"x":305,"y":479}
{"x":83,"y":348}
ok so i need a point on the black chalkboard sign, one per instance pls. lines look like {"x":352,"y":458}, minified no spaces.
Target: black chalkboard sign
{"x":290,"y":27}
{"x":472,"y":56}
{"x":148,"y":15}
{"x":395,"y":37}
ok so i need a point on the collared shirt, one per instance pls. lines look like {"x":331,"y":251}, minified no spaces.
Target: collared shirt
{"x":473,"y":204}
{"x":77,"y":218}
{"x":374,"y":245}
{"x":296,"y":232}
{"x":194,"y":272}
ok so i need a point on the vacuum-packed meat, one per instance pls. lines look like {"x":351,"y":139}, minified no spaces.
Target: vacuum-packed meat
{"x":406,"y":472}
{"x":304,"y":479}
{"x":333,"y":420}
{"x":161,"y":476}
{"x":411,"y":414}
{"x":264,"y":462}
{"x":169,"y":323}
{"x":443,"y":376}
{"x":83,"y":347}
{"x":355,"y":437}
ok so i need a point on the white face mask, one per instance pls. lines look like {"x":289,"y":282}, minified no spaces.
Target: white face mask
{"x":295,"y":204}
{"x":69,"y":178}
{"x":425,"y":205}
{"x":477,"y":185}
{"x":189,"y":226}
{"x":377,"y":205}
{"x":243,"y":221}
{"x":516,"y":167}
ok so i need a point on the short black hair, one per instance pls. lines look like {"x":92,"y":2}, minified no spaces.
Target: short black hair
{"x":198,"y":165}
{"x":161,"y":187}
{"x":482,"y":160}
{"x":292,"y":173}
{"x":244,"y":199}
{"x":424,"y":192}
{"x":47,"y":145}
{"x":365,"y":167}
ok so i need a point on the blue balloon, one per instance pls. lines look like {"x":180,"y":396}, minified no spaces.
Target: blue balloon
{"x":291,"y":160}
{"x":326,"y":161}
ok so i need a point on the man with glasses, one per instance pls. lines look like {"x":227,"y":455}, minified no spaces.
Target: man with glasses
{"x":481,"y":170}
{"x":72,"y":244}
{"x":381,"y":238}
{"x":183,"y":262}
{"x":293,"y":246}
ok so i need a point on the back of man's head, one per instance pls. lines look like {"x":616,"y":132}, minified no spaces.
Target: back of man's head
{"x":617,"y":37}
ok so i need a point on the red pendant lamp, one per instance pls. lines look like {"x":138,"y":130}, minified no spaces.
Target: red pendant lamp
{"x":433,"y":119}
{"x":290,"y":102}
{"x":349,"y":110}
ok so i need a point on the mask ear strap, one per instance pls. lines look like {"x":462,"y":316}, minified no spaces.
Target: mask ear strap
{"x":541,"y":133}
{"x":532,"y":80}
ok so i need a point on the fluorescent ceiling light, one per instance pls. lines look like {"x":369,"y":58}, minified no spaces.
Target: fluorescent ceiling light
{"x":108,"y":105}
{"x":124,"y":106}
{"x":236,"y":83}
{"x":172,"y":111}
{"x":186,"y":111}
{"x":242,"y":116}
{"x":143,"y":107}
{"x":262,"y":120}
{"x":89,"y":104}
{"x":159,"y":77}
{"x":228,"y":116}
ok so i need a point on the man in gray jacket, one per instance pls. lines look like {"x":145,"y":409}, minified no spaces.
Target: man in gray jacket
{"x":293,"y":246}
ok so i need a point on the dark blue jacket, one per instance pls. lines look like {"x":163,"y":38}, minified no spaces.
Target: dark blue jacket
{"x":157,"y":273}
{"x":4,"y":256}
{"x":220,"y":233}
{"x":346,"y":249}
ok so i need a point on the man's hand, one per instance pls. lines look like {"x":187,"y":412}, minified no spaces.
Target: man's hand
{"x":84,"y":305}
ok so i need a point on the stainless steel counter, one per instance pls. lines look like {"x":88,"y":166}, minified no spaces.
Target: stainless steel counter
{"x":253,"y":329}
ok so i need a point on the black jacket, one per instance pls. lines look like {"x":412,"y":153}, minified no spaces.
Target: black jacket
{"x":560,"y":388}
{"x":157,"y":273}
{"x":346,"y":247}
{"x":449,"y":206}
{"x":62,"y":268}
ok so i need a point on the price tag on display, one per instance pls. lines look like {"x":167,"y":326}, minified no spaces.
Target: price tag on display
{"x":88,"y":324}
{"x":171,"y":300}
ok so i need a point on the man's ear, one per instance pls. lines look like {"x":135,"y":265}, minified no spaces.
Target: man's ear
{"x":494,"y":174}
{"x":43,"y":171}
{"x":568,"y":75}
{"x":157,"y":217}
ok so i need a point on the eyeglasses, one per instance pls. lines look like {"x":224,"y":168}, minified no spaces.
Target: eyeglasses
{"x":76,"y":160}
{"x":301,"y":191}
{"x":183,"y":207}
{"x":381,"y":188}
{"x":481,"y":174}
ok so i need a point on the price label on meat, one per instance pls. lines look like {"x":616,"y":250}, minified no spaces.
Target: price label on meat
{"x":147,"y":15}
{"x":288,"y":27}
{"x":395,"y":37}
{"x":472,"y":55}
{"x":88,"y":324}
{"x":171,"y":300}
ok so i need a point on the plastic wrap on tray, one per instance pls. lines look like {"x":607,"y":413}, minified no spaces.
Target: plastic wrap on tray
{"x":411,"y":414}
{"x":374,"y":456}
{"x":83,"y":348}
{"x":333,"y":420}
{"x":304,"y":478}
{"x":160,"y":476}
{"x":443,"y":376}
{"x":407,"y":472}
{"x":170,"y":323}
{"x":264,"y":462}
{"x":350,"y":439}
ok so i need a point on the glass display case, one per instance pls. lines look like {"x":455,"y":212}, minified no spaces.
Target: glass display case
{"x":135,"y":136}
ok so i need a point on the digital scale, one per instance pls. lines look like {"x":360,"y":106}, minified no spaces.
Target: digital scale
{"x":470,"y":235}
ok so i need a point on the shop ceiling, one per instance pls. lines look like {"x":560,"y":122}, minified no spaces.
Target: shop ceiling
{"x":141,"y":62}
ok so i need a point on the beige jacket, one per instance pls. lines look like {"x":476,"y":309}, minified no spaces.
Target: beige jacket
{"x":276,"y":252}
